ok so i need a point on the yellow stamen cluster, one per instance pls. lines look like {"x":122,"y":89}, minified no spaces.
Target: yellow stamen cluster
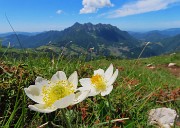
{"x":99,"y":82}
{"x":56,"y":91}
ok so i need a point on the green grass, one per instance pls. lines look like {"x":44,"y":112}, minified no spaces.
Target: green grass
{"x":136,"y":90}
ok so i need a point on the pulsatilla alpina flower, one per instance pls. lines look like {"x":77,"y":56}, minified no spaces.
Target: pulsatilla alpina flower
{"x":59,"y":92}
{"x":100,"y":82}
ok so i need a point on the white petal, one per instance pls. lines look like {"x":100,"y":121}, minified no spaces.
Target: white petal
{"x":108,"y":90}
{"x":93,"y":91}
{"x":73,"y":78}
{"x":85,"y":82}
{"x":39,"y":79}
{"x":80,"y":96}
{"x":81,"y":89}
{"x":99,"y":71}
{"x":65,"y":102}
{"x":34,"y":93}
{"x":39,"y":82}
{"x":42,"y":108}
{"x":109,"y":72}
{"x":113,"y":78}
{"x":60,"y":75}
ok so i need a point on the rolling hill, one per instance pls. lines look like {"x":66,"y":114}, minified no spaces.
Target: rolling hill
{"x":165,"y":41}
{"x":155,"y":35}
{"x":171,"y":44}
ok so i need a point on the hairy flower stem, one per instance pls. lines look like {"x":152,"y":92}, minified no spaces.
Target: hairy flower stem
{"x":110,"y":112}
{"x":66,"y":119}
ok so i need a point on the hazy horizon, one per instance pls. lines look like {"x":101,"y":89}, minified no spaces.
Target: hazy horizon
{"x":94,"y":24}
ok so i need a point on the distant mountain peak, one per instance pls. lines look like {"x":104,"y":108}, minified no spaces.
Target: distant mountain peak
{"x":92,"y":27}
{"x":77,"y":24}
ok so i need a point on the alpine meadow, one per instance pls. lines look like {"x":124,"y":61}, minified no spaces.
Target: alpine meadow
{"x":89,"y":64}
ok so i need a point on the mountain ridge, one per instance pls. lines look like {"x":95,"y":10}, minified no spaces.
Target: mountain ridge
{"x":105,"y":39}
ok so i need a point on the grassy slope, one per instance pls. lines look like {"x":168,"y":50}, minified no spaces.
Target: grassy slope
{"x":136,"y":90}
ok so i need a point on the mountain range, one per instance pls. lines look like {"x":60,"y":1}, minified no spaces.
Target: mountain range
{"x":21,"y":33}
{"x":99,"y":39}
{"x":155,"y":35}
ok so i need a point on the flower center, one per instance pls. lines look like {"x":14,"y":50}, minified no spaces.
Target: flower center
{"x":99,"y":82}
{"x":56,"y":91}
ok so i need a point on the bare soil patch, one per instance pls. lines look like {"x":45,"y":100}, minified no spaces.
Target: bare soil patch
{"x":175,"y":70}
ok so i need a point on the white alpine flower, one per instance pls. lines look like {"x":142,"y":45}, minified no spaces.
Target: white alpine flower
{"x":59,"y":92}
{"x":100,"y":82}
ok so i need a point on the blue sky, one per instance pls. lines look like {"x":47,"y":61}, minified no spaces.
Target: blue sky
{"x":131,"y":15}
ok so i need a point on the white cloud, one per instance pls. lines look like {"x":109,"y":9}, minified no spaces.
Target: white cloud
{"x":59,"y":11}
{"x":141,"y":6}
{"x":91,"y":6}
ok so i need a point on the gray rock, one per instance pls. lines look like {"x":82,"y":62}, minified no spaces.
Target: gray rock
{"x":171,"y":64}
{"x":163,"y":117}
